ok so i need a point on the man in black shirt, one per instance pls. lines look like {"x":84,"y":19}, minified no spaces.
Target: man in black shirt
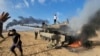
{"x":16,"y":41}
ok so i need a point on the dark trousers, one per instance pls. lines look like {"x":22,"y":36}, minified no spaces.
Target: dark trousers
{"x":55,"y":21}
{"x":19,"y":46}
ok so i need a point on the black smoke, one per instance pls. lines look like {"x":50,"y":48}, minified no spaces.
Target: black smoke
{"x":89,"y":29}
{"x":25,"y":20}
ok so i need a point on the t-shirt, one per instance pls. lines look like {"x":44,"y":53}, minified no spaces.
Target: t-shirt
{"x":55,"y":17}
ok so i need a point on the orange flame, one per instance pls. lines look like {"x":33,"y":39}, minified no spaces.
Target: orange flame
{"x":75,"y":44}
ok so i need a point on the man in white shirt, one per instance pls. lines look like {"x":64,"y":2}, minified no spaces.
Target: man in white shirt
{"x":55,"y":19}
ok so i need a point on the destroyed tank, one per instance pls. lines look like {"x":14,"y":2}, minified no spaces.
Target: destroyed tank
{"x":61,"y":27}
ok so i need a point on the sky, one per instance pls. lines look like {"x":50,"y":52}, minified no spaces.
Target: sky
{"x":44,"y":9}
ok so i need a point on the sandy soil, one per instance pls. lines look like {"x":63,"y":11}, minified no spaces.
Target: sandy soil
{"x":32,"y":47}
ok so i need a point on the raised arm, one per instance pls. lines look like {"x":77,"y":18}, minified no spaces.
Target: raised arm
{"x":9,"y":33}
{"x":4,"y":16}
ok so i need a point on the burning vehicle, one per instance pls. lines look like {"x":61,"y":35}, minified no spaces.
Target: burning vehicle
{"x":73,"y":38}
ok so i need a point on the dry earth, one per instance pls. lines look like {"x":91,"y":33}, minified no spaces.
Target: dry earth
{"x":32,"y":47}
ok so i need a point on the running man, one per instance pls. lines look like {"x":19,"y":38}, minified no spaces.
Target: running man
{"x":16,"y":41}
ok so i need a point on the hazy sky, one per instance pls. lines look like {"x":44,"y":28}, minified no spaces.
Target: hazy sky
{"x":44,"y":9}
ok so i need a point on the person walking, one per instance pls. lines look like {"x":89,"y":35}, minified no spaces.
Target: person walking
{"x":16,"y":41}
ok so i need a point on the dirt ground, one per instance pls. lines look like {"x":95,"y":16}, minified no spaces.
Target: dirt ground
{"x":32,"y":47}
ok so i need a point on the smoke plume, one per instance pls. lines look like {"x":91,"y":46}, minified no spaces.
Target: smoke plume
{"x":89,"y":10}
{"x":90,"y":28}
{"x":25,"y":20}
